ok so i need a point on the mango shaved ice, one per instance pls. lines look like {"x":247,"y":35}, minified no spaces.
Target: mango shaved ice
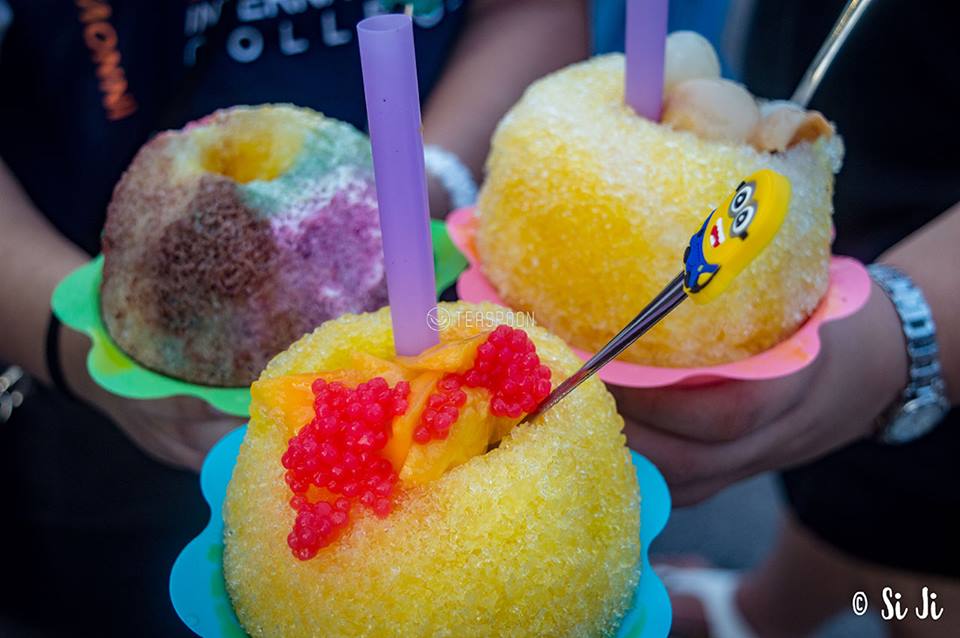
{"x":461,"y":522}
{"x":587,"y":209}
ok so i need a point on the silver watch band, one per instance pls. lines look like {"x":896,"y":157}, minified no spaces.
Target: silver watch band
{"x":11,"y":396}
{"x":923,"y":402}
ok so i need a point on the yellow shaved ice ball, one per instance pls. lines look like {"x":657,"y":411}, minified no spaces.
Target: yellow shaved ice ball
{"x":538,"y":537}
{"x":587,"y":209}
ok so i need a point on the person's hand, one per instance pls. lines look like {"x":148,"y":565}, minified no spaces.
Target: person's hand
{"x":705,"y":438}
{"x":178,"y":431}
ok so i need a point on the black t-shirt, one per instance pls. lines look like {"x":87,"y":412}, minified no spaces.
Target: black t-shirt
{"x":894,"y":95}
{"x":86,"y":83}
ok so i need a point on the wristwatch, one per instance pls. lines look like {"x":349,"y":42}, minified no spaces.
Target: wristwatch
{"x":924,"y":402}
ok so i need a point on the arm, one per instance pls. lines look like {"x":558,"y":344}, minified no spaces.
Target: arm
{"x":34,"y":257}
{"x":706,"y":438}
{"x":931,"y":258}
{"x":506,"y":45}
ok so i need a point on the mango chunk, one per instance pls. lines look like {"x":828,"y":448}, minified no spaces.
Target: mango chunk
{"x":398,"y":447}
{"x":292,"y":396}
{"x":454,"y":356}
{"x":289,"y":396}
{"x":469,"y":437}
{"x":370,"y":366}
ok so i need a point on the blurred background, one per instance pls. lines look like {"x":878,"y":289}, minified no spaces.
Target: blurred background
{"x":735,"y":530}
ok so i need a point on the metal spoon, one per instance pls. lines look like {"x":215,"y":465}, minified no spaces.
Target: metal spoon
{"x":848,"y":19}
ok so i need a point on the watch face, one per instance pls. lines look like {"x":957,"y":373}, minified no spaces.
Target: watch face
{"x":928,"y":416}
{"x":916,"y":419}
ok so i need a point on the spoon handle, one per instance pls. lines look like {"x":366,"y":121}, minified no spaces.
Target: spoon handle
{"x":845,"y":24}
{"x":668,"y":299}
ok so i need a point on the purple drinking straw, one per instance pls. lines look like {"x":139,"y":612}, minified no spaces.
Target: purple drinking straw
{"x":646,"y":38}
{"x":393,"y":115}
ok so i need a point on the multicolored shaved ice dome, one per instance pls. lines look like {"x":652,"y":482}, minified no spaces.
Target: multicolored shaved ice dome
{"x":229,"y":239}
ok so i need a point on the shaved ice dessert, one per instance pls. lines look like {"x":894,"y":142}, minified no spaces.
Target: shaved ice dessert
{"x":587,"y":207}
{"x":379,"y":495}
{"x":229,"y":239}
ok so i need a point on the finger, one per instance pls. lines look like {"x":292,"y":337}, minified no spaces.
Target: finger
{"x":699,"y":491}
{"x":689,"y":487}
{"x":685,"y":462}
{"x":158,"y":441}
{"x":186,"y":444}
{"x":717,"y":412}
{"x":681,"y":460}
{"x":203,"y":436}
{"x":181,"y":408}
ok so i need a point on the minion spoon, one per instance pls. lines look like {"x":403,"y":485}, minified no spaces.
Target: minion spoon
{"x":729,"y":239}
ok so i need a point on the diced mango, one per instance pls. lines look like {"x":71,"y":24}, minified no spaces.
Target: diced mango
{"x":453,"y":356}
{"x":291,"y":395}
{"x":398,"y":446}
{"x":469,"y":437}
{"x":370,"y":366}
